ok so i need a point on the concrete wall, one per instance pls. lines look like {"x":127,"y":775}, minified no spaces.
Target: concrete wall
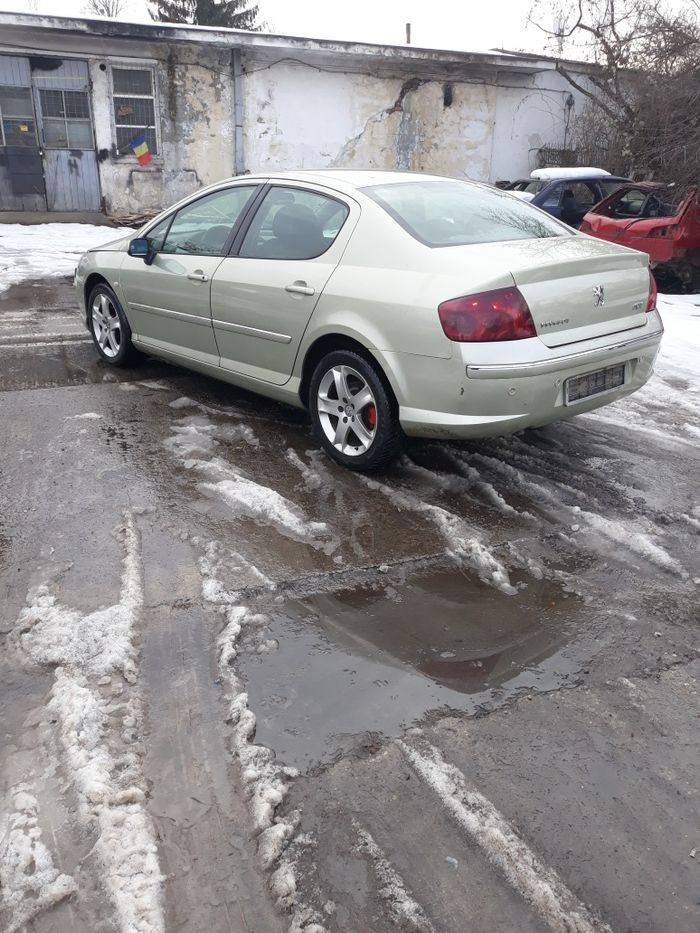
{"x":299,"y":117}
{"x":195,"y":103}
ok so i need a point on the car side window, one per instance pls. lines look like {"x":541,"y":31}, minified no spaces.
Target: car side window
{"x":292,"y":223}
{"x":583,"y":194}
{"x":630,"y":204}
{"x":156,"y":235}
{"x":552,"y":197}
{"x":202,"y":227}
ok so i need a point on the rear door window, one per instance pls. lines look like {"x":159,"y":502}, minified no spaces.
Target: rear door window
{"x":293,"y":223}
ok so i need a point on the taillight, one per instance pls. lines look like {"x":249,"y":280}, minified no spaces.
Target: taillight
{"x":653,"y":292}
{"x":501,"y":314}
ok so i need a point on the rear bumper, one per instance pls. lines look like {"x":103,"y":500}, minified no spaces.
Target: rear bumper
{"x":591,"y":357}
{"x":463,"y":398}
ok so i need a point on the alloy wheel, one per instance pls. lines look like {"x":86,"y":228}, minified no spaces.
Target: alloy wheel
{"x":106,"y":325}
{"x":347,"y":410}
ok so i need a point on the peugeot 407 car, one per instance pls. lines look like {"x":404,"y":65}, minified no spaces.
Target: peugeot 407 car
{"x":388,"y":304}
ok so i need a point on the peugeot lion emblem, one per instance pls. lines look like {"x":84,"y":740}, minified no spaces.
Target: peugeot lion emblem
{"x":598,"y":295}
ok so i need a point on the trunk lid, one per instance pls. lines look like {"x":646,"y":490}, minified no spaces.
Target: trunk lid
{"x":563,"y":280}
{"x":584,"y":293}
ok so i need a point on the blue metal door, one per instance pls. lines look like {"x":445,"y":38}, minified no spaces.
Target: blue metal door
{"x":62,"y":100}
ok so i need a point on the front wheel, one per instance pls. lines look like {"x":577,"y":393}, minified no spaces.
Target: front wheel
{"x":109,"y":327}
{"x":353,"y":412}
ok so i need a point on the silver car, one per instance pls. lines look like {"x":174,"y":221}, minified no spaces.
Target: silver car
{"x":388,"y":304}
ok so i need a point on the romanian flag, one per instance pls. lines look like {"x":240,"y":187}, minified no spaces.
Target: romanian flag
{"x":141,"y":150}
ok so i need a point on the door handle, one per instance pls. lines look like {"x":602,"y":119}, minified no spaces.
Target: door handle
{"x":300,"y":288}
{"x":197,"y":276}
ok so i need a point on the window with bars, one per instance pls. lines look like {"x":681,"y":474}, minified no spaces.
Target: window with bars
{"x":17,"y":125}
{"x":65,"y":118}
{"x":134,"y":103}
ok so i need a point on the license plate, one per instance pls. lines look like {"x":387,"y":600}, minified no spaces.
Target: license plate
{"x":602,"y":380}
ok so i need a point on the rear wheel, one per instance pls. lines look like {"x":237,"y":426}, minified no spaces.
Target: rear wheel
{"x":354,"y":413}
{"x":109,"y":327}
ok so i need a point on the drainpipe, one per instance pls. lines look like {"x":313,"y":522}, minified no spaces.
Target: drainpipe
{"x":238,"y":161}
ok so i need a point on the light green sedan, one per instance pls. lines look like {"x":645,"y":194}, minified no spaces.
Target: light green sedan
{"x":388,"y":304}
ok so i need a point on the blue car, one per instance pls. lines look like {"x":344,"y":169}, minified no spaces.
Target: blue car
{"x":566,"y":193}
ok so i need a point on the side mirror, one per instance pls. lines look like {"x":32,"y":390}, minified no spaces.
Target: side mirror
{"x":139,"y":247}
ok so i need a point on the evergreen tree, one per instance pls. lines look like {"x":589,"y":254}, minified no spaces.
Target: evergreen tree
{"x":226,"y":14}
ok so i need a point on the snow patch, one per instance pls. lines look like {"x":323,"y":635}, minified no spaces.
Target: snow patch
{"x":183,"y":402}
{"x":29,"y":881}
{"x":243,"y":496}
{"x":540,"y":886}
{"x":97,"y":731}
{"x":39,"y":251}
{"x":265,"y":781}
{"x":87,"y":416}
{"x":403,"y":909}
{"x":312,"y":478}
{"x":96,"y":643}
{"x":636,"y":541}
{"x":248,"y":499}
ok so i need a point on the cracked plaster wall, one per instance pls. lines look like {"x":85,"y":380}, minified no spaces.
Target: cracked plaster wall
{"x":298,"y":117}
{"x":195,"y":105}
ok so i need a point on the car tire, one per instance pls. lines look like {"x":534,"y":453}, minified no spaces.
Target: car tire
{"x":109,"y":327}
{"x":354,"y":412}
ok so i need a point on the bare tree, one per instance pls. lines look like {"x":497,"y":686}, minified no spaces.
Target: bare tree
{"x":644,"y":92}
{"x":111,"y":8}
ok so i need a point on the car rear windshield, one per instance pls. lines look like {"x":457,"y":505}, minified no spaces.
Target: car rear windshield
{"x":454,"y":213}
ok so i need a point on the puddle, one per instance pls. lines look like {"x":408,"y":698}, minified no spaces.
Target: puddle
{"x":68,"y":364}
{"x":376,"y":659}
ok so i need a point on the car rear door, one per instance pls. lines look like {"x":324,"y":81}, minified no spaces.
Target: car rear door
{"x":168,"y":300}
{"x":263,"y":295}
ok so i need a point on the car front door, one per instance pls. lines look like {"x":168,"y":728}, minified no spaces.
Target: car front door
{"x":168,"y":300}
{"x":263,"y":295}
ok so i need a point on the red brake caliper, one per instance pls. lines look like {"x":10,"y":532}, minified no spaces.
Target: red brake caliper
{"x":371,"y":415}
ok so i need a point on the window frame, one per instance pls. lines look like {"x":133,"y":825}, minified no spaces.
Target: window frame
{"x":135,"y":65}
{"x":66,"y":120}
{"x":29,"y":119}
{"x":257,"y":204}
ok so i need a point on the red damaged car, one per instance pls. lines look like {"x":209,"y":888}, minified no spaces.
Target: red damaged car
{"x":653,"y":218}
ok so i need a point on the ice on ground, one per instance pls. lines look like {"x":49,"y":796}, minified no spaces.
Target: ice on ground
{"x":462,"y":542}
{"x":48,"y":250}
{"x":96,"y":733}
{"x":87,"y":416}
{"x":537,"y":884}
{"x":29,"y":880}
{"x":403,"y":909}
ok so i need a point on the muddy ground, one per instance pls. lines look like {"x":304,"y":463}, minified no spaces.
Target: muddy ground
{"x":243,"y":689}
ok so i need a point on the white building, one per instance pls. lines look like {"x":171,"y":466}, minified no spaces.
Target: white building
{"x":75,"y":93}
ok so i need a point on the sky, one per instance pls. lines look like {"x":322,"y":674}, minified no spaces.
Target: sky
{"x":445,"y":24}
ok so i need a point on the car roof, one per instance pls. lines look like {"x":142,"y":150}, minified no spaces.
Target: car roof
{"x":349,"y":178}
